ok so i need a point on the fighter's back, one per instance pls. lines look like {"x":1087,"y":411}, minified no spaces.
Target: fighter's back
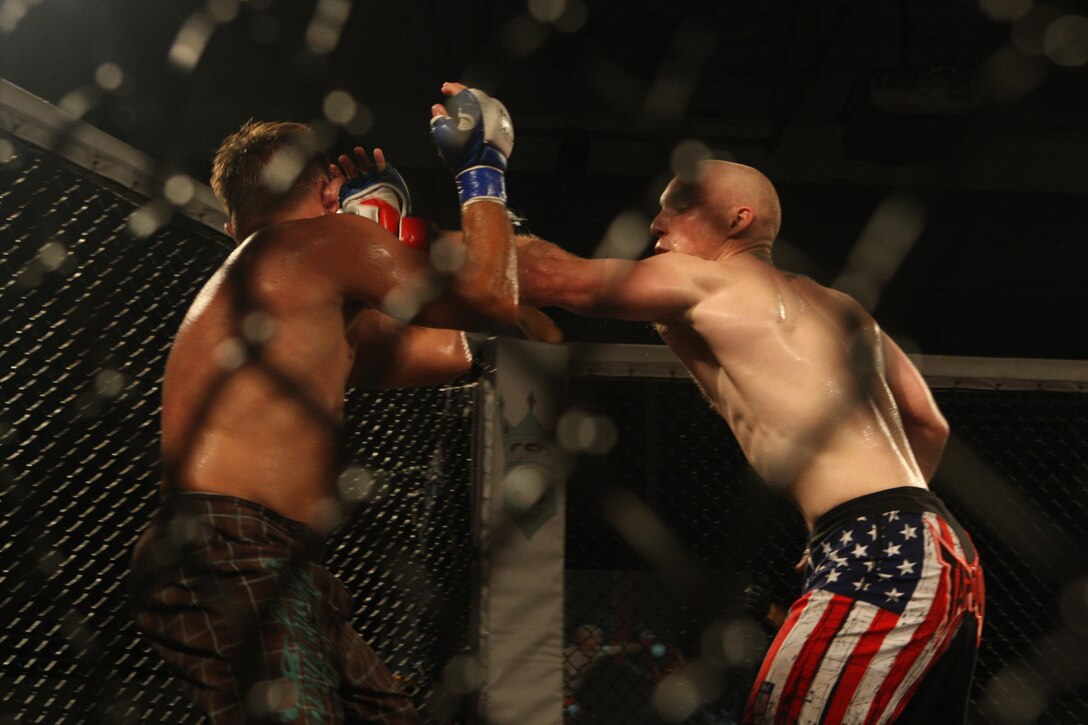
{"x":254,"y":385}
{"x":797,"y":370}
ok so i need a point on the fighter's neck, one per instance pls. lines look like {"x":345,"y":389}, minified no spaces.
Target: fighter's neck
{"x":759,"y":250}
{"x":279,"y":216}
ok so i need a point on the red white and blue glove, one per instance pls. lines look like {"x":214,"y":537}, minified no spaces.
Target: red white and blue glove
{"x":475,"y":145}
{"x":380,"y":194}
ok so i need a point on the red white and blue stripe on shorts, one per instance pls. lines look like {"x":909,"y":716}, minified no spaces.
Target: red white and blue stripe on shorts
{"x":884,"y":595}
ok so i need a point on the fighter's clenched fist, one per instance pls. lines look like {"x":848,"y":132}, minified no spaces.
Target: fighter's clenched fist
{"x":475,"y":144}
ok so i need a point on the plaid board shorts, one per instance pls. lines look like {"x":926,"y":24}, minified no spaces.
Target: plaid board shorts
{"x":233,"y":597}
{"x":888,"y":626}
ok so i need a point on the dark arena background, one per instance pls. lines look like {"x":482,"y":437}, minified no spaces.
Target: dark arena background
{"x":931,"y":158}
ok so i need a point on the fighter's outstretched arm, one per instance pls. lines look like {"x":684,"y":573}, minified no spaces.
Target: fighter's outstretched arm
{"x":475,"y":145}
{"x":660,"y":288}
{"x":533,"y":323}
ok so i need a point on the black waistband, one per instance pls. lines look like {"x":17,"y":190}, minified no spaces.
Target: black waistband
{"x":902,"y":498}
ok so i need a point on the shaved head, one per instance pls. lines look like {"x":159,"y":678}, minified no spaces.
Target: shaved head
{"x":726,"y":185}
{"x":726,"y":209}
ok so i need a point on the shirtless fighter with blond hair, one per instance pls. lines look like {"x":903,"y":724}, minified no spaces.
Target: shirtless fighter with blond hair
{"x":832,"y":413}
{"x":228,"y":582}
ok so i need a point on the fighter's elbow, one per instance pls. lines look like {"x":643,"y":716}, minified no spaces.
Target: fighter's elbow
{"x":451,"y":362}
{"x":928,"y":442}
{"x":932,"y":429}
{"x":938,"y":428}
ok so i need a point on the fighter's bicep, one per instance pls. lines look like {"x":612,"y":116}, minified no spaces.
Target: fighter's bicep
{"x":656,"y":289}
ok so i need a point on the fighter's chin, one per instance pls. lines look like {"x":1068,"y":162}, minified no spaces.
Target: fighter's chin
{"x":660,"y":250}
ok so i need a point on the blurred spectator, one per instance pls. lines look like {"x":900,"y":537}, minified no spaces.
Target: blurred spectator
{"x":657,"y":658}
{"x":581,"y":658}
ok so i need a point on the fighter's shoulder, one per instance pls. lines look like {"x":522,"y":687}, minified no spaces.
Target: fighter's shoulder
{"x":837,"y":296}
{"x":836,"y":299}
{"x":327,"y":232}
{"x":805,"y":284}
{"x":687,"y":276}
{"x":687,"y":264}
{"x":349,"y":226}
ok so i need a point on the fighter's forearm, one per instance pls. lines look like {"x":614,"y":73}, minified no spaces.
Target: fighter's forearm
{"x":548,"y":276}
{"x":475,"y":143}
{"x":486,"y":276}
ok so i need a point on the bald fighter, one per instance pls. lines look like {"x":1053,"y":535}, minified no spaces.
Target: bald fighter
{"x":227,"y":578}
{"x":830,"y":412}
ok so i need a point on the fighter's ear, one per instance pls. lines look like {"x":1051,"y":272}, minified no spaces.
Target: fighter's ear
{"x":330,"y":194}
{"x":742,"y":218}
{"x":228,"y":227}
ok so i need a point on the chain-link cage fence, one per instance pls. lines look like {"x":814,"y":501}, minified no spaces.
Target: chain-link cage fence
{"x":92,"y":300}
{"x":658,"y":633}
{"x":676,"y":467}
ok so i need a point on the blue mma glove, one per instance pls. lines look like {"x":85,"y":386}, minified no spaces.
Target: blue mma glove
{"x":475,"y":145}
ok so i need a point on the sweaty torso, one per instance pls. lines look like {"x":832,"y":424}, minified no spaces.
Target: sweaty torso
{"x":797,"y":372}
{"x":254,"y":386}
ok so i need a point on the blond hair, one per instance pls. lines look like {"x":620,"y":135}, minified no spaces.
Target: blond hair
{"x":266,"y":165}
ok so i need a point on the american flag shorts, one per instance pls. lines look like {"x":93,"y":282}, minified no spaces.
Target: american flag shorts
{"x":890,"y":580}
